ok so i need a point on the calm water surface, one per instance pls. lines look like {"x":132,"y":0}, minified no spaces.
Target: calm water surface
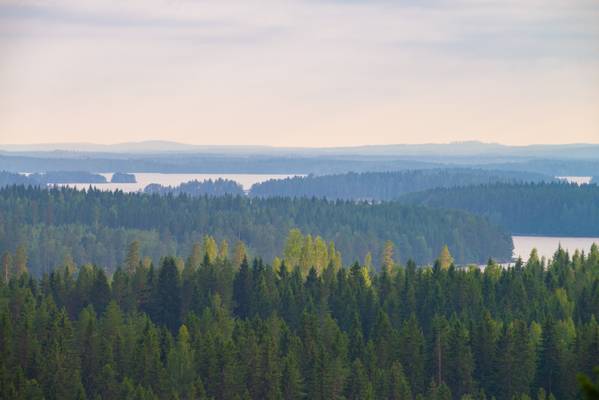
{"x":144,"y":179}
{"x":546,"y":245}
{"x":579,"y":180}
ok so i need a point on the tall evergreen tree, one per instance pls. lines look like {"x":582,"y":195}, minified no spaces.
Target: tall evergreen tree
{"x":21,"y":261}
{"x":445,"y":259}
{"x":167,"y":305}
{"x":133,"y":257}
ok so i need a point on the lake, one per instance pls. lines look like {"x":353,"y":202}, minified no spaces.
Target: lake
{"x":579,"y":180}
{"x":546,"y":245}
{"x":144,"y":179}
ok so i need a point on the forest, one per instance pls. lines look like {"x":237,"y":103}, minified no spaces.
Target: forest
{"x":49,"y":177}
{"x":212,"y":328}
{"x":95,"y":226}
{"x":209,"y":187}
{"x":559,"y":209}
{"x":381,"y":186}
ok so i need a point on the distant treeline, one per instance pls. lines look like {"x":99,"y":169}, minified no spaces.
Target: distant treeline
{"x":217,"y":187}
{"x":560,"y":209}
{"x":385,"y":185}
{"x":123,"y":177}
{"x":213,"y":328}
{"x":96,"y":226}
{"x":50,"y":177}
{"x":207,"y":163}
{"x":289,"y":164}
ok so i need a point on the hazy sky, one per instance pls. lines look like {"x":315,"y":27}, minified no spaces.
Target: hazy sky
{"x":301,"y":73}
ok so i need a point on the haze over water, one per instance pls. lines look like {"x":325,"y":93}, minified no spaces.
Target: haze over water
{"x":547,"y":245}
{"x":144,"y":179}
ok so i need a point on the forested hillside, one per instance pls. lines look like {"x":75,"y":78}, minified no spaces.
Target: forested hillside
{"x":213,"y":329}
{"x":541,"y":208}
{"x":95,"y":226}
{"x":385,"y":185}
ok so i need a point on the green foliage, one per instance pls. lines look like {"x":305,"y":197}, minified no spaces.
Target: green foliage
{"x":225,"y":331}
{"x":209,"y":187}
{"x":558,"y":209}
{"x":445,"y":259}
{"x":113,"y":229}
{"x":590,"y":389}
{"x":385,"y":185}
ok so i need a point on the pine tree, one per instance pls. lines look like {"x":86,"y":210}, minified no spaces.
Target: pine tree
{"x":167,"y":306}
{"x":6,"y":266}
{"x":270,"y":368}
{"x":239,"y":253}
{"x":69,"y":263}
{"x":445,"y":259}
{"x":210,"y":248}
{"x":399,"y":387}
{"x":439,"y":348}
{"x":368,"y":261}
{"x":306,"y":260}
{"x":89,"y":349}
{"x":147,"y":365}
{"x":223,"y":250}
{"x":180,"y":364}
{"x":334,"y":257}
{"x":20,"y":261}
{"x":460,"y":362}
{"x":107,"y":383}
{"x":321,"y":254}
{"x":359,"y":386}
{"x":484,"y":344}
{"x":388,"y":262}
{"x":195,"y":258}
{"x":100,"y":291}
{"x":524,"y":356}
{"x":242,"y":290}
{"x":292,"y":382}
{"x":133,"y":257}
{"x":548,"y":372}
{"x":293,"y":248}
{"x":411,"y":352}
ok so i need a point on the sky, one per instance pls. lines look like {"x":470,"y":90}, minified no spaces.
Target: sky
{"x":299,"y":73}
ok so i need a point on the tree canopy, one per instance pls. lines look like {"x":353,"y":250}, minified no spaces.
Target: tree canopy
{"x":220,"y":330}
{"x":535,"y":208}
{"x":97,"y":227}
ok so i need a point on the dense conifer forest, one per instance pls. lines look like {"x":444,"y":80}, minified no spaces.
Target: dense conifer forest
{"x":403,"y":200}
{"x":386,"y":185}
{"x":96,"y":227}
{"x":559,"y":209}
{"x":210,"y":328}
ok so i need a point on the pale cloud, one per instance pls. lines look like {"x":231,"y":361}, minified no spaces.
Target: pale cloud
{"x":299,"y":72}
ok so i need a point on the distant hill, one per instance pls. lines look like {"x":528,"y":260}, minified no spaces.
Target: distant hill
{"x":170,"y":157}
{"x":454,"y":149}
{"x":558,"y":209}
{"x":204,"y":163}
{"x":385,"y":185}
{"x":50,"y":177}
